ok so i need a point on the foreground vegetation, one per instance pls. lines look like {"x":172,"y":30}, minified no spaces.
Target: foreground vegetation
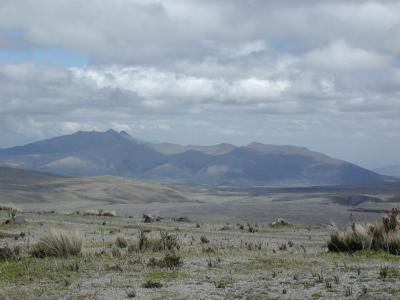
{"x":383,"y":236}
{"x":80,"y":256}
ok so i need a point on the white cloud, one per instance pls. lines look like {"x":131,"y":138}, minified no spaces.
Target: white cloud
{"x":293,"y":71}
{"x":340,"y":56}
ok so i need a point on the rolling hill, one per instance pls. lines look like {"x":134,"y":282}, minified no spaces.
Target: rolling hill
{"x":25,"y":186}
{"x":117,"y":153}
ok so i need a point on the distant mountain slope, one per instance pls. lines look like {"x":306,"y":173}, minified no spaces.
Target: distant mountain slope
{"x":85,"y":153}
{"x":168,"y":148}
{"x":113,"y":153}
{"x":393,"y":170}
{"x":20,"y":176}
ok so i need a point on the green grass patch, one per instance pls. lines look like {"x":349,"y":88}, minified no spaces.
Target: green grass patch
{"x":164,"y":275}
{"x":30,"y":269}
{"x":361,"y":255}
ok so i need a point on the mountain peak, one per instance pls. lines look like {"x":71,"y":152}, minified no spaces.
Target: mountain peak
{"x":112,"y":131}
{"x":124,"y":133}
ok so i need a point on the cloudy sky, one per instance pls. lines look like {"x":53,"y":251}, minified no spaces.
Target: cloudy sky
{"x":321,"y":74}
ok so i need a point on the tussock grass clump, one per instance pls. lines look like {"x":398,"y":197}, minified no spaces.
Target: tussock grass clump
{"x":393,"y":242}
{"x":379,"y":236}
{"x":121,"y":241}
{"x":58,"y":243}
{"x":358,"y":238}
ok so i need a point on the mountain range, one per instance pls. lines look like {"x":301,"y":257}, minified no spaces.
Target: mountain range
{"x":117,"y":153}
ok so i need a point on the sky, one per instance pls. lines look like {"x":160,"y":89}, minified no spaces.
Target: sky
{"x":320,"y":74}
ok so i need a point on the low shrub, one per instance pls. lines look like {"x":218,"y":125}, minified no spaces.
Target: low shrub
{"x":204,"y":239}
{"x":100,"y":213}
{"x":121,"y":241}
{"x":151,"y":284}
{"x":182,"y":219}
{"x":115,"y":252}
{"x":6,"y":253}
{"x":167,"y":241}
{"x":170,"y":261}
{"x":58,"y":243}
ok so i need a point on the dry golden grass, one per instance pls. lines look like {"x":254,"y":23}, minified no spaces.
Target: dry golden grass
{"x":58,"y":243}
{"x":121,"y":241}
{"x":379,"y":236}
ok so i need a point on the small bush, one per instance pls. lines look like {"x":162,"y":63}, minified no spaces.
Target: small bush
{"x":170,"y":261}
{"x":225,"y":228}
{"x":383,"y":272}
{"x":121,"y":241}
{"x":130,"y":293}
{"x":91,"y":212}
{"x":222,"y":284}
{"x":115,"y":252}
{"x":151,"y":284}
{"x":100,"y":213}
{"x":182,"y":219}
{"x":390,"y":221}
{"x":282,"y":247}
{"x":348,"y":291}
{"x":169,"y":241}
{"x":58,"y":243}
{"x":204,"y":239}
{"x":6,"y":253}
{"x":166,"y":241}
{"x":251,"y":228}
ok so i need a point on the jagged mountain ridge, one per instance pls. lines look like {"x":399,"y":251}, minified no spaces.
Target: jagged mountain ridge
{"x":112,"y":153}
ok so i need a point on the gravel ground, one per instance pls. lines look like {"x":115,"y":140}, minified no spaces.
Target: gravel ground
{"x":286,"y":262}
